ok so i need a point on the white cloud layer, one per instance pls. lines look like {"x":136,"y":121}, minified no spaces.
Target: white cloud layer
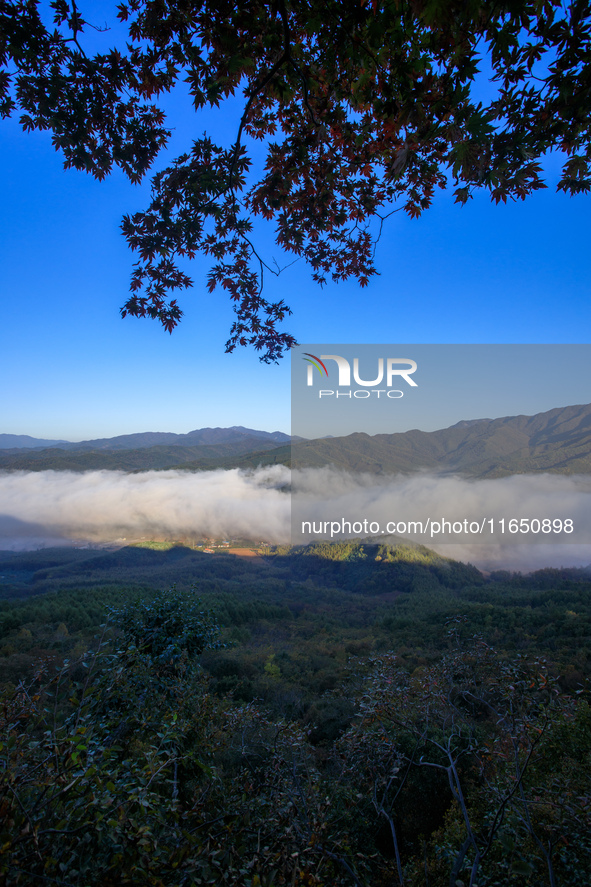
{"x":53,"y":507}
{"x":108,"y":505}
{"x":329,"y":494}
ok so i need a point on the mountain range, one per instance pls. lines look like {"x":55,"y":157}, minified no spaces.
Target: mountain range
{"x":199,"y":437}
{"x":557,"y":441}
{"x":202,"y":449}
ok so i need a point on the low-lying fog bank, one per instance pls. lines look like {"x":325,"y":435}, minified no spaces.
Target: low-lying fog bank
{"x":51,"y":507}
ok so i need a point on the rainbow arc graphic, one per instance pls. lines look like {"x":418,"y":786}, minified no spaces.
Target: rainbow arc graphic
{"x":316,"y":362}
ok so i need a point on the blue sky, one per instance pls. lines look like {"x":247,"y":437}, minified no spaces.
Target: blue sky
{"x":72,"y":368}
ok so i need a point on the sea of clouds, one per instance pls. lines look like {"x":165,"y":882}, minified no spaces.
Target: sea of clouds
{"x":102,"y":506}
{"x":56,"y":507}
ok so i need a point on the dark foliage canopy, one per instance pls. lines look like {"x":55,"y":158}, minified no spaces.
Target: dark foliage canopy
{"x":363,"y":107}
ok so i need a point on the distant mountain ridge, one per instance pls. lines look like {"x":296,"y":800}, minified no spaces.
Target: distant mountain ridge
{"x":556,"y":441}
{"x":24,"y":441}
{"x":201,"y":436}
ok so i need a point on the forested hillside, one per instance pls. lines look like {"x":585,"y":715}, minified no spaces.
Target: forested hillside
{"x":557,"y":441}
{"x":347,"y":714}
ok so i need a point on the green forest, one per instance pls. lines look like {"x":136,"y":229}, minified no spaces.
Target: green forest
{"x":335,"y":714}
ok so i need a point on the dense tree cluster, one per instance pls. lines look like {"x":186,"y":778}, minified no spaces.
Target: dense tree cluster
{"x":396,"y":733}
{"x":120,"y":770}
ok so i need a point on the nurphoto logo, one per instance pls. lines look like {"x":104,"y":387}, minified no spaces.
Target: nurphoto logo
{"x":389,"y":370}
